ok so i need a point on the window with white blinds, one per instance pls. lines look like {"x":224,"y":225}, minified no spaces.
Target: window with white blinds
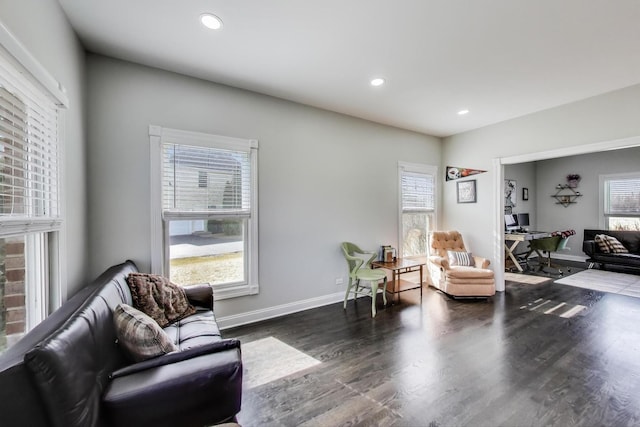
{"x":417,"y":205}
{"x":204,"y":180}
{"x":621,"y":205}
{"x":623,"y":196}
{"x":418,"y":192}
{"x":31,"y":252}
{"x":204,"y":210}
{"x":29,"y":156}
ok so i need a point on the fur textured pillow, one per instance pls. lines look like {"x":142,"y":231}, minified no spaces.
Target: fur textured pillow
{"x":609,"y":244}
{"x":156,"y":296}
{"x":139,"y":334}
{"x":460,"y":258}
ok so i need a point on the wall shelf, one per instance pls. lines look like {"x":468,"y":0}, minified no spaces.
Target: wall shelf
{"x":566,"y":195}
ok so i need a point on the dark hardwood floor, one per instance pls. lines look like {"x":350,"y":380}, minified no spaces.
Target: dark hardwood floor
{"x":506,"y":361}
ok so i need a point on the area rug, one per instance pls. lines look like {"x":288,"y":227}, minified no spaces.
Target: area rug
{"x":269,"y":359}
{"x":604,"y":281}
{"x":525,"y":278}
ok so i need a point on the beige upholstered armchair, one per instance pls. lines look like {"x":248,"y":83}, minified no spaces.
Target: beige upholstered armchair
{"x":455,"y":271}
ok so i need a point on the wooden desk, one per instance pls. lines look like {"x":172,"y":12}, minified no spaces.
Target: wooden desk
{"x":399,"y":267}
{"x":520,"y":237}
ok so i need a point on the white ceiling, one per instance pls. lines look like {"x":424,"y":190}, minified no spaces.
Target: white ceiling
{"x":498,"y":58}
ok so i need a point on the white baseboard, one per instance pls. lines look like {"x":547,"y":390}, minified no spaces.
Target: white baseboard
{"x":277,"y":311}
{"x":578,"y":258}
{"x":558,"y":255}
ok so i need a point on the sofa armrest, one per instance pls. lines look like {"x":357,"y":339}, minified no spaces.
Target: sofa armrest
{"x":205,"y":389}
{"x":176,"y":356}
{"x":200,"y":294}
{"x":440,"y":262}
{"x":589,"y":247}
{"x":481,"y":262}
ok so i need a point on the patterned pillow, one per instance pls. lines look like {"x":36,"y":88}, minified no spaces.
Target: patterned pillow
{"x":139,"y":334}
{"x":609,"y":244}
{"x":460,"y":258}
{"x":156,"y":296}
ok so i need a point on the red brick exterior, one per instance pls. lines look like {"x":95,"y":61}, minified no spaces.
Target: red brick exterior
{"x":14,"y":288}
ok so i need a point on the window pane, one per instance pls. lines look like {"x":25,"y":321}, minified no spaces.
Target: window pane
{"x":415,"y":227}
{"x":207,"y":251}
{"x":13,"y":311}
{"x":205,"y":179}
{"x":623,"y":223}
{"x":624,"y":196}
{"x":417,"y":191}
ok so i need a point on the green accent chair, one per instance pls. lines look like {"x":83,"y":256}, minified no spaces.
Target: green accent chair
{"x":361,"y":271}
{"x":548,"y":245}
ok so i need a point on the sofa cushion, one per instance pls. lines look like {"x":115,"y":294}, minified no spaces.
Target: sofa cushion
{"x":625,"y":260}
{"x":460,"y":258}
{"x":140,"y":335}
{"x":609,"y":244}
{"x":196,"y":330}
{"x":463,"y":272}
{"x":473,"y":282}
{"x":156,"y":296}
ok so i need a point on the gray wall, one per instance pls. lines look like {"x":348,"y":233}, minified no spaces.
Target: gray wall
{"x":607,"y":117}
{"x":323,"y":177}
{"x":541,"y":177}
{"x":585,"y":213}
{"x":42,"y":28}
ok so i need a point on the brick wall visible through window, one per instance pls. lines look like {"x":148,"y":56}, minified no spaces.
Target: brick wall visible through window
{"x":12,"y":290}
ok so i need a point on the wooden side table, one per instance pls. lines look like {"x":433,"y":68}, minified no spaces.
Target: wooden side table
{"x":399,"y":267}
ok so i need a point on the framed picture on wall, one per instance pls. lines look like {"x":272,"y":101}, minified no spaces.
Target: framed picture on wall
{"x":466,"y":191}
{"x":510,"y":193}
{"x":525,"y":193}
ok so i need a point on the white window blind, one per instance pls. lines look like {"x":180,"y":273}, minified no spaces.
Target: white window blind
{"x":622,"y":196}
{"x":418,"y":192}
{"x":203,"y":180}
{"x":29,"y":156}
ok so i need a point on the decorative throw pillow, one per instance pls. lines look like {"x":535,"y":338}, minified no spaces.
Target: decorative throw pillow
{"x":460,"y":258}
{"x":139,"y":334}
{"x":156,"y":296}
{"x":609,"y":244}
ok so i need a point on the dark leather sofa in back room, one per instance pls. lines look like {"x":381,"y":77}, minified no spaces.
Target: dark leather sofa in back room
{"x":69,"y":370}
{"x":629,"y":239}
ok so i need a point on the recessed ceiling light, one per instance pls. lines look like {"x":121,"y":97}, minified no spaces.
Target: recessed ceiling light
{"x":463,"y":112}
{"x":211,"y":21}
{"x":377,"y":81}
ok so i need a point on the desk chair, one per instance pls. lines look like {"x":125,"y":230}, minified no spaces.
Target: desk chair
{"x":557,"y":242}
{"x":357,"y":274}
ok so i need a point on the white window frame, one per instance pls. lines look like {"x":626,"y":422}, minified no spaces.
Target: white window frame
{"x":159,"y":249}
{"x":603,"y":198}
{"x":416,"y":168}
{"x":44,"y":239}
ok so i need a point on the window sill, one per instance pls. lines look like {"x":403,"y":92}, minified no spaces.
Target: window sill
{"x":221,"y":292}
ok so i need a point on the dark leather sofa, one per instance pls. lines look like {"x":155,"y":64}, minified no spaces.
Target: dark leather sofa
{"x":630,"y":240}
{"x":69,"y":370}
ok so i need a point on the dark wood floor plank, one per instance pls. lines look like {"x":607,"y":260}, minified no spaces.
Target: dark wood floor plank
{"x":498,"y":362}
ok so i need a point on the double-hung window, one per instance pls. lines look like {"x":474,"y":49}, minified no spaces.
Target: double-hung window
{"x":417,"y":207}
{"x":30,"y":211}
{"x":621,"y":201}
{"x":204,"y":195}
